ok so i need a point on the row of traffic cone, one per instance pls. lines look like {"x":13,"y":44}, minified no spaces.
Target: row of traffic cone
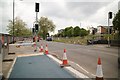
{"x":99,"y":72}
{"x":41,"y":48}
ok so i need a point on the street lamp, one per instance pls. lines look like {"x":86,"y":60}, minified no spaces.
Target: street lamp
{"x":13,"y":18}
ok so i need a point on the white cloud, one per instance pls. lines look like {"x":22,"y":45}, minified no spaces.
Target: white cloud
{"x":64,"y":13}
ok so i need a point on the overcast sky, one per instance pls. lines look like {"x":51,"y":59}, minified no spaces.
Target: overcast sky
{"x":63,"y":13}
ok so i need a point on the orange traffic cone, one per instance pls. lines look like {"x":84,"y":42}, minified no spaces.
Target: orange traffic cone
{"x":46,"y":49}
{"x":99,"y":72}
{"x":64,"y":61}
{"x":41,"y":48}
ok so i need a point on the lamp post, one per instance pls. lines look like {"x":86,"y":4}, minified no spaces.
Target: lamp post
{"x":13,"y":18}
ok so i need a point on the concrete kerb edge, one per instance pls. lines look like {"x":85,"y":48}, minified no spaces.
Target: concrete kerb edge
{"x":74,"y":72}
{"x":36,"y":54}
{"x":9,"y":72}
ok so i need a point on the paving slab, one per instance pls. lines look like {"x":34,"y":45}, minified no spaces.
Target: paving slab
{"x":38,"y":67}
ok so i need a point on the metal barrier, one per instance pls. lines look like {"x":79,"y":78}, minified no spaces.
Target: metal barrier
{"x":5,"y":39}
{"x":5,"y":45}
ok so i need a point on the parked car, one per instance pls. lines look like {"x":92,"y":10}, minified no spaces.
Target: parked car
{"x":92,"y":42}
{"x":49,"y":39}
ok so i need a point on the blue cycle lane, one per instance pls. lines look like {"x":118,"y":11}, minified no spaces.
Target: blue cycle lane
{"x":38,"y":67}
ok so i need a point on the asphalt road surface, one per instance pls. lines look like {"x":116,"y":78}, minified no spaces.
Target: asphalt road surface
{"x":86,"y":56}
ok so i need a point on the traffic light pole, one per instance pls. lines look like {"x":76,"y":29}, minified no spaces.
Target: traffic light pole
{"x":109,"y":17}
{"x":36,"y":31}
{"x":36,"y":24}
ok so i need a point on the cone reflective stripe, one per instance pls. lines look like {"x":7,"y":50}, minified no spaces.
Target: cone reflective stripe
{"x":41,"y":48}
{"x":46,"y":49}
{"x":34,"y":45}
{"x":64,"y":62}
{"x":99,"y":72}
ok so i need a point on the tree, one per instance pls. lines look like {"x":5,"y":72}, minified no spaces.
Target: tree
{"x":76,"y":31}
{"x":68,"y":31}
{"x":19,"y":28}
{"x":116,"y":22}
{"x":83,"y":32}
{"x":46,"y":26}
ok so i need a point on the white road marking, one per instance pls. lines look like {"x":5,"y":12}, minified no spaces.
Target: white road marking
{"x":79,"y":66}
{"x":82,"y":68}
{"x":74,"y":72}
{"x":93,"y":75}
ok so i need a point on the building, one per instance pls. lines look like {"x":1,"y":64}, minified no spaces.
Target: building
{"x":104,"y":29}
{"x":93,"y":30}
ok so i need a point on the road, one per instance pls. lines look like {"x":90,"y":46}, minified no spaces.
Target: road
{"x":86,"y":56}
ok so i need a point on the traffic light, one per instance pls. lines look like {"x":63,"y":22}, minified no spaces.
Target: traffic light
{"x":33,"y":30}
{"x":110,"y":15}
{"x":36,"y":7}
{"x":36,"y":27}
{"x":93,"y":32}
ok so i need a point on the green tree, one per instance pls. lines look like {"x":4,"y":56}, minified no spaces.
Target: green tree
{"x":19,"y":28}
{"x":68,"y":32}
{"x":116,"y":22}
{"x":46,"y":26}
{"x":83,"y":32}
{"x":76,"y":31}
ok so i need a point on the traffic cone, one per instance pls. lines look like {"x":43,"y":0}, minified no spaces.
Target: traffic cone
{"x":41,"y":48}
{"x":46,"y":49}
{"x":64,"y":61}
{"x":34,"y":45}
{"x":99,"y":72}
